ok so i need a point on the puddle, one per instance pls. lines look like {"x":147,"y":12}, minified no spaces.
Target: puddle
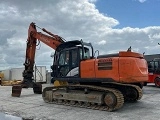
{"x":9,"y":117}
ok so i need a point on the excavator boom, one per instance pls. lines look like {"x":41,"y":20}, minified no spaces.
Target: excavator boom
{"x":34,"y":37}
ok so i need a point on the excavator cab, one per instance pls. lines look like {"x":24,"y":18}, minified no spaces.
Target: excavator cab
{"x":68,"y":57}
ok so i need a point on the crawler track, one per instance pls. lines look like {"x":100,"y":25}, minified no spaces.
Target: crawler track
{"x":107,"y":99}
{"x":136,"y":91}
{"x":131,"y":93}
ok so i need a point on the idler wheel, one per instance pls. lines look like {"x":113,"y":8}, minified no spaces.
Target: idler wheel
{"x":110,"y":100}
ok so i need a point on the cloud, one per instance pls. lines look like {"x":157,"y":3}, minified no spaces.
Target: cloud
{"x":142,"y":1}
{"x":138,"y":38}
{"x":92,"y":1}
{"x":155,"y":36}
{"x":102,"y":42}
{"x":78,"y":19}
{"x":5,"y":35}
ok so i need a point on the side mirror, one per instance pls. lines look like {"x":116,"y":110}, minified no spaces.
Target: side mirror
{"x":97,"y":51}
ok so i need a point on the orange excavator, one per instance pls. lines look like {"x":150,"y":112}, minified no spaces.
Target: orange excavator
{"x":80,"y":79}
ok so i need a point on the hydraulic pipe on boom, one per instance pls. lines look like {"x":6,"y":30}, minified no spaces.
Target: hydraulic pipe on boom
{"x":50,"y":40}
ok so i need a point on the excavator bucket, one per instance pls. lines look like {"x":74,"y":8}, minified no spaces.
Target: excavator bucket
{"x":16,"y":89}
{"x":37,"y":88}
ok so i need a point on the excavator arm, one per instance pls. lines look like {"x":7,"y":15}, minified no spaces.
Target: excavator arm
{"x":33,"y":39}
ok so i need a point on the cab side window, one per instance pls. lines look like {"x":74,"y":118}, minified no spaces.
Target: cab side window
{"x":64,"y":58}
{"x":86,"y":53}
{"x":74,"y":58}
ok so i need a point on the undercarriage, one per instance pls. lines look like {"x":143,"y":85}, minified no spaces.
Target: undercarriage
{"x":91,"y":96}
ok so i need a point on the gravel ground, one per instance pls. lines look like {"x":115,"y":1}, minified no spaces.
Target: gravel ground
{"x":32,"y":106}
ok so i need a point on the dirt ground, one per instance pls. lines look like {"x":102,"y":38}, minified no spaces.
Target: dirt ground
{"x":32,"y":106}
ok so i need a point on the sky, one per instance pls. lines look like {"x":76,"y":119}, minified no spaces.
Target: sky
{"x":110,"y":25}
{"x":131,"y":13}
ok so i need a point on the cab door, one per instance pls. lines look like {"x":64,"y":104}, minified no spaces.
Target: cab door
{"x":74,"y":63}
{"x":68,"y":63}
{"x":63,"y":63}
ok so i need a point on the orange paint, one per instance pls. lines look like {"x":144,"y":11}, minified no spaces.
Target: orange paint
{"x":128,"y":67}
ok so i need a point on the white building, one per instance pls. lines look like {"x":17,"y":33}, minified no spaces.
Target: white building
{"x":16,"y":74}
